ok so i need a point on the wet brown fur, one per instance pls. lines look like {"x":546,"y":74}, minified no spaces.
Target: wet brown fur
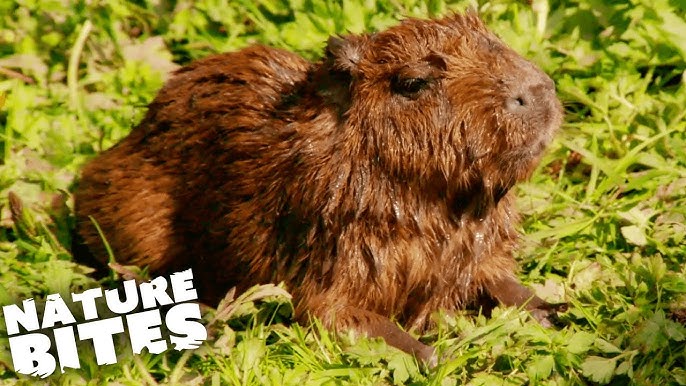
{"x":368,"y":200}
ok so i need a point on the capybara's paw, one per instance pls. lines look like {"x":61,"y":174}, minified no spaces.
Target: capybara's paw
{"x":547,"y":313}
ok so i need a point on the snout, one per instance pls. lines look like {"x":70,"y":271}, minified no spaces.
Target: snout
{"x":531,"y":97}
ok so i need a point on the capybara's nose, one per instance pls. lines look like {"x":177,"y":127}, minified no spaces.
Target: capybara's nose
{"x":532,"y":96}
{"x":532,"y":89}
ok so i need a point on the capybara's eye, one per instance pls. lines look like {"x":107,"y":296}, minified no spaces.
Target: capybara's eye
{"x":409,"y":87}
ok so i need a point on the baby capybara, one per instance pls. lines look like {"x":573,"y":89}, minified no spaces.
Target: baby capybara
{"x":374,"y":183}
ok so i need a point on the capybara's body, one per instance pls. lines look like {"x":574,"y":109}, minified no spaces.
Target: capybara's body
{"x":374,"y":183}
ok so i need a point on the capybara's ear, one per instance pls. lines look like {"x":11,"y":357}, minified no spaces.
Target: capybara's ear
{"x":345,"y":52}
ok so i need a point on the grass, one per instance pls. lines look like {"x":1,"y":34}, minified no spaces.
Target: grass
{"x":604,"y":216}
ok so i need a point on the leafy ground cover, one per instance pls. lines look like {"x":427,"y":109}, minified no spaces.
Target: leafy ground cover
{"x":604,"y":216}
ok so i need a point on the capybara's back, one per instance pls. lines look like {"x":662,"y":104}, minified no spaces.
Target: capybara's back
{"x":375,"y":183}
{"x":177,"y":191}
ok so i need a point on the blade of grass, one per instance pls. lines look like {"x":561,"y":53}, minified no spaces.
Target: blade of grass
{"x":73,"y":67}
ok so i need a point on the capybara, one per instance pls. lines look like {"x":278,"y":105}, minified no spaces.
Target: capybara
{"x":375,"y":183}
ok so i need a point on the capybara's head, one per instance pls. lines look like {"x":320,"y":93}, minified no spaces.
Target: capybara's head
{"x":443,"y":103}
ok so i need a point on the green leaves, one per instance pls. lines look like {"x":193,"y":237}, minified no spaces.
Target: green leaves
{"x":541,"y":367}
{"x":580,"y":342}
{"x":599,"y":369}
{"x":655,"y":333}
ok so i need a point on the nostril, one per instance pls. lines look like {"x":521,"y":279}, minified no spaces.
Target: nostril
{"x":516,"y":103}
{"x":528,"y":93}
